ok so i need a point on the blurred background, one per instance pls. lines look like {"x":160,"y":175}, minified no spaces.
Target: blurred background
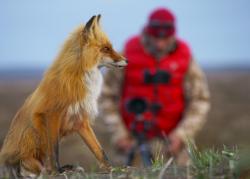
{"x":32,"y":33}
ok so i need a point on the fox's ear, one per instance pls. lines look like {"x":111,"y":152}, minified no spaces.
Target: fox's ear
{"x":98,"y":18}
{"x":89,"y":24}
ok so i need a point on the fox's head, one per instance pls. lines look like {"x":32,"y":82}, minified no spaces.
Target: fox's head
{"x":96,"y":47}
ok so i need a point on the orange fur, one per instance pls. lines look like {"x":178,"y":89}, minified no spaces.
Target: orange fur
{"x":62,"y":103}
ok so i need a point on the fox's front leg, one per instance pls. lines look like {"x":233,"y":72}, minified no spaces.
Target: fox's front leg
{"x":87,"y":134}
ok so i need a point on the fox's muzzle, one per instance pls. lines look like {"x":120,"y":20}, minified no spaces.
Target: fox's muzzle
{"x":121,"y":63}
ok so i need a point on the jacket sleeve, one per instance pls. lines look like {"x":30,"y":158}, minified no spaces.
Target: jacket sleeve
{"x":109,"y":103}
{"x":197,"y":103}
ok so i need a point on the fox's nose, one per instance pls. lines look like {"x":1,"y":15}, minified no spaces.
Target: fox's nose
{"x":126,"y":61}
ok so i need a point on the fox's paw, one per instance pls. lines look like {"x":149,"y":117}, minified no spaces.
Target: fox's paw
{"x":105,"y":162}
{"x":67,"y":168}
{"x":106,"y":166}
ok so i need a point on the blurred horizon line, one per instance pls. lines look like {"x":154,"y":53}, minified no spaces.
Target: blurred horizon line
{"x":235,"y":65}
{"x":37,"y":72}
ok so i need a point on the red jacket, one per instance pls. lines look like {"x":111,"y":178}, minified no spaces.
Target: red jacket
{"x":169,"y":95}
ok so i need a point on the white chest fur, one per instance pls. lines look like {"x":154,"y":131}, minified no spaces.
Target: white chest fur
{"x":92,"y":81}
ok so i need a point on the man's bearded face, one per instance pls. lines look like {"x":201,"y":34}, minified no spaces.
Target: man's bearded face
{"x":160,"y":45}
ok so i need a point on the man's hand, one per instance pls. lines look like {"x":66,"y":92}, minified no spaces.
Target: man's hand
{"x":176,"y":144}
{"x":124,"y":144}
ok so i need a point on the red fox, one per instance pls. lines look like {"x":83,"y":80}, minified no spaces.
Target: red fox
{"x":64,"y":102}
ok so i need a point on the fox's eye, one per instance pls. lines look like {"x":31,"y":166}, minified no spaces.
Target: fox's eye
{"x":106,"y":49}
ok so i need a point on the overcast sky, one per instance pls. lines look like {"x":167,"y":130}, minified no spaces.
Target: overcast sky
{"x":31,"y":32}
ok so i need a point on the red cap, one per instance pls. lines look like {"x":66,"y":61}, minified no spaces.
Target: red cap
{"x":161,"y":23}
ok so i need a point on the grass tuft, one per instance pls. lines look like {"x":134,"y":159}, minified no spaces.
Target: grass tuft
{"x":211,"y":162}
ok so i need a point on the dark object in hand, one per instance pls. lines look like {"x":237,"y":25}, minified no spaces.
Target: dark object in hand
{"x":137,"y":105}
